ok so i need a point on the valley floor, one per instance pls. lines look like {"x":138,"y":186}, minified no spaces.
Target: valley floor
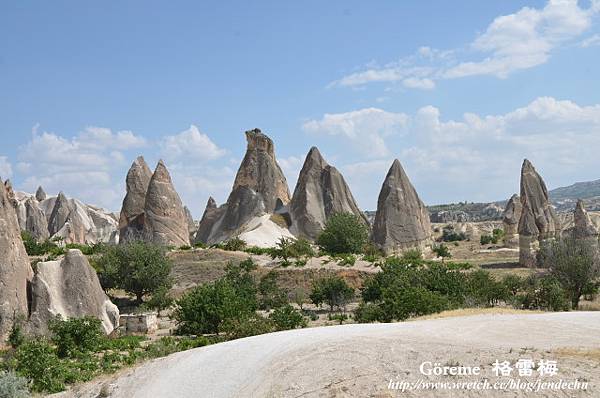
{"x":360,"y":360}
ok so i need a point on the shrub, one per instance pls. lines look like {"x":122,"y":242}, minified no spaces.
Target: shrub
{"x":368,"y":312}
{"x":543,"y":293}
{"x":13,"y":386}
{"x":259,"y":250}
{"x":450,"y":235}
{"x":234,"y":244}
{"x":412,"y":255}
{"x":160,"y":299}
{"x":139,"y":268}
{"x":287,"y":317}
{"x":288,"y":248}
{"x":33,"y":248}
{"x":76,"y":335}
{"x":495,"y":237}
{"x":333,"y":291}
{"x":37,"y":361}
{"x":485,"y":290}
{"x":185,"y":247}
{"x":346,"y":260}
{"x":343,"y":233}
{"x":247,"y":325}
{"x":270,"y":295}
{"x":208,"y":307}
{"x":16,"y":336}
{"x":442,"y":251}
{"x":574,"y":263}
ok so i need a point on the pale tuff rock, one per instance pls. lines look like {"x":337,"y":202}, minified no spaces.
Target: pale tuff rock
{"x":538,"y":219}
{"x":190,"y":221}
{"x":70,"y":288}
{"x":40,"y":194}
{"x":60,"y":214}
{"x":36,"y":223}
{"x":259,"y":188}
{"x":528,"y":238}
{"x":510,"y":221}
{"x":320,"y":192}
{"x":131,"y":221}
{"x":165,"y":221}
{"x":584,"y":227}
{"x":211,"y":215}
{"x":535,"y":194}
{"x":15,"y":270}
{"x":402,"y":221}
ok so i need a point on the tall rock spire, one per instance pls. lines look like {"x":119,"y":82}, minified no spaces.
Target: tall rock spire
{"x":320,"y":192}
{"x":131,"y":221}
{"x":15,"y":269}
{"x":259,"y":188}
{"x":584,"y":227}
{"x":165,"y":221}
{"x":510,"y":221}
{"x":402,"y":220}
{"x":538,"y":219}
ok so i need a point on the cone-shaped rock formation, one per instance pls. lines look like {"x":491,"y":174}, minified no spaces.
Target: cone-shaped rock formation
{"x":402,"y":220}
{"x":320,"y":192}
{"x":131,"y":221}
{"x":165,"y":221}
{"x":510,"y":221}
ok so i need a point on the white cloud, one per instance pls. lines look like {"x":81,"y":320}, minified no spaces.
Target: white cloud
{"x":510,"y":43}
{"x":5,"y":168}
{"x":85,"y":166}
{"x":192,"y":145}
{"x":478,"y":157}
{"x":365,"y":128}
{"x":591,"y":41}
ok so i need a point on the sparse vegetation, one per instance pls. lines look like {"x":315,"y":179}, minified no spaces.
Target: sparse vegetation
{"x":449,"y":234}
{"x":287,"y":249}
{"x":494,"y":238}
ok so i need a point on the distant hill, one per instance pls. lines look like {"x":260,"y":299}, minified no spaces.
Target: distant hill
{"x":579,"y":190}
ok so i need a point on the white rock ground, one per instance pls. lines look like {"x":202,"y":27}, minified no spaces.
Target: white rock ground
{"x":360,"y":360}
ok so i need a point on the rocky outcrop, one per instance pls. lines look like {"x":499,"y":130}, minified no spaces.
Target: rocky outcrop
{"x":36,"y":223}
{"x":510,"y":221}
{"x":190,"y":222}
{"x":211,"y":215}
{"x":40,"y":194}
{"x":538,"y":216}
{"x":259,"y":188}
{"x":70,"y":288}
{"x":131,"y":221}
{"x":165,"y":221}
{"x":15,"y":269}
{"x":402,"y":221}
{"x":60,"y":214}
{"x":528,"y":238}
{"x":584,"y":228}
{"x":320,"y":192}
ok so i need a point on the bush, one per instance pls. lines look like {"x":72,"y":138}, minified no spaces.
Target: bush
{"x":485,"y":290}
{"x":33,"y":248}
{"x":270,"y":295}
{"x":368,"y":313}
{"x":495,"y":237}
{"x":234,"y":244}
{"x":343,"y":233}
{"x":160,"y":299}
{"x":442,"y":251}
{"x":543,"y":293}
{"x":574,"y":263}
{"x":346,"y":260}
{"x":333,"y":291}
{"x":450,"y":235}
{"x":16,"y":336}
{"x":247,"y":325}
{"x":412,"y":255}
{"x":288,"y":248}
{"x":37,"y":361}
{"x":13,"y":386}
{"x":139,"y":268}
{"x":76,"y":335}
{"x":287,"y":317}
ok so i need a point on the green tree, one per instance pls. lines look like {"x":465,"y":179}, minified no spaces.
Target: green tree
{"x":287,"y":317}
{"x":574,"y":263}
{"x":270,"y":294}
{"x":333,"y":291}
{"x":343,"y":233}
{"x":139,"y":268}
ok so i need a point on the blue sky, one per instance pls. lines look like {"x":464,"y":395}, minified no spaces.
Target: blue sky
{"x":458,"y":91}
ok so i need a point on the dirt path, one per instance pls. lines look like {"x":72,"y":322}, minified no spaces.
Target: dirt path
{"x":360,"y":360}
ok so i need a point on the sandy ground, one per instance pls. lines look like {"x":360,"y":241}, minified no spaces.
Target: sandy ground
{"x":360,"y":360}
